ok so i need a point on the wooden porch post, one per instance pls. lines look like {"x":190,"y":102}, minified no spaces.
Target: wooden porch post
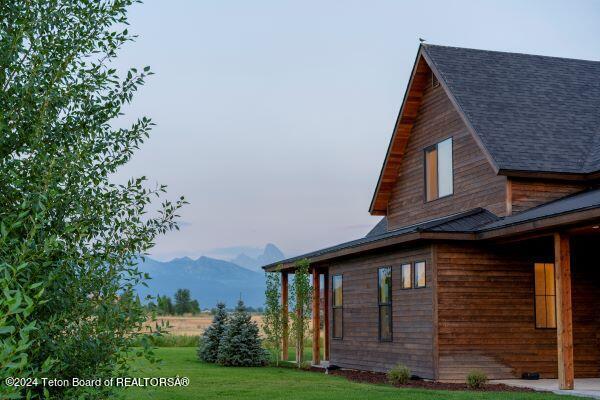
{"x":316,"y":356}
{"x":326,"y":313}
{"x":284,"y":312}
{"x":564,"y":322}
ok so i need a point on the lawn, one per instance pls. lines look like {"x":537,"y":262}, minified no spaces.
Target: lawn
{"x":209,"y":381}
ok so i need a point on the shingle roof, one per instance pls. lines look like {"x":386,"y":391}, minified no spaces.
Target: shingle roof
{"x":379,"y":228}
{"x":532,"y":113}
{"x":466,"y":221}
{"x":474,"y":221}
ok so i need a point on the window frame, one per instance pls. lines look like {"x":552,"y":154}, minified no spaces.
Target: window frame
{"x":437,"y":157}
{"x":415,"y":286}
{"x":334,"y":307}
{"x":388,"y":304}
{"x":410,"y":273}
{"x":535,"y":296}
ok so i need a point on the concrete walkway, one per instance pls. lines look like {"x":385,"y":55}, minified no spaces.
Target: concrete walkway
{"x":583,"y":387}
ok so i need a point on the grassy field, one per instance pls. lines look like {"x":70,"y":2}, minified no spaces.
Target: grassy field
{"x":189,"y":325}
{"x":209,"y":381}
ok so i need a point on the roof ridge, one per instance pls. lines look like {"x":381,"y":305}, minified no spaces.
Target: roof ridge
{"x":510,"y":52}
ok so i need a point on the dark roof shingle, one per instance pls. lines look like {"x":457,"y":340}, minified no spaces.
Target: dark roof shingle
{"x":532,"y":113}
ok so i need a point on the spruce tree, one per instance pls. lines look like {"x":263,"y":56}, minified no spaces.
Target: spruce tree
{"x":240,"y":345}
{"x":208,"y":347}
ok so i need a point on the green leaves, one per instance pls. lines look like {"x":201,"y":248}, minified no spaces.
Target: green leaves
{"x":69,"y":237}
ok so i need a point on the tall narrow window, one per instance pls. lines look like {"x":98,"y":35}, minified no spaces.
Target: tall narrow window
{"x":337,"y":306}
{"x":384,"y":277}
{"x":545,"y":296}
{"x":420,"y":274}
{"x":406,"y":276}
{"x":439,"y":174}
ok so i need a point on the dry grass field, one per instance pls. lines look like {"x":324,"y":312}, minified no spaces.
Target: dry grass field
{"x":189,"y":325}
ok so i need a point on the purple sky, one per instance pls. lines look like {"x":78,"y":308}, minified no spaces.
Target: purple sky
{"x":274,"y":116}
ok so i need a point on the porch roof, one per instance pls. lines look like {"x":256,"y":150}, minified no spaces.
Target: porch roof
{"x":476,"y":224}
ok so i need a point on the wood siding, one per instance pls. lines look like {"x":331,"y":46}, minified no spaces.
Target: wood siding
{"x":486,"y":316}
{"x":475,"y":182}
{"x":527,"y":193}
{"x":412,"y":313}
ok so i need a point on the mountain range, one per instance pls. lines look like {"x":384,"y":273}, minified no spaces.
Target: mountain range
{"x":209,"y":279}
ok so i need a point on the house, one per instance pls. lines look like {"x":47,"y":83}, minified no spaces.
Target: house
{"x":484,"y":258}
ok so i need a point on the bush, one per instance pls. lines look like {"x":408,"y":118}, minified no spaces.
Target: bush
{"x":161,"y":340}
{"x":208,"y":345}
{"x":476,"y":379}
{"x":240,"y":346}
{"x":399,"y":375}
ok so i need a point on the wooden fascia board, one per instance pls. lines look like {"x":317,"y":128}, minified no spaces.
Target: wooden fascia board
{"x":550,"y":176}
{"x":372,"y":209}
{"x":460,"y":111}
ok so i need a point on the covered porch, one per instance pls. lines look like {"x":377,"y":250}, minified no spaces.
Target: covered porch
{"x":319,"y":313}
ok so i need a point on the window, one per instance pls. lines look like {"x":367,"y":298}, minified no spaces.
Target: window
{"x":384,"y":278}
{"x":406,"y":276}
{"x":420,"y":274}
{"x":337,"y":306}
{"x":438,"y":170}
{"x":545,"y":296}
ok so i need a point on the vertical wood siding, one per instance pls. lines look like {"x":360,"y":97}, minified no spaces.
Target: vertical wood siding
{"x":475,"y":182}
{"x":412,"y":311}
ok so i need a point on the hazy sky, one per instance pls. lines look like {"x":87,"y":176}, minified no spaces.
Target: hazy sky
{"x":274,"y":116}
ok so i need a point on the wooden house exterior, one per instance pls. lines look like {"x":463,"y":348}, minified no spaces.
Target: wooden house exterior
{"x":491,"y":210}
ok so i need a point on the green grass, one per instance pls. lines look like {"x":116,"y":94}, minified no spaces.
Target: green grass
{"x":209,"y":381}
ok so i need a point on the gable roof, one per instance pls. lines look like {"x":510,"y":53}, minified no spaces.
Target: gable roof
{"x":530,"y":114}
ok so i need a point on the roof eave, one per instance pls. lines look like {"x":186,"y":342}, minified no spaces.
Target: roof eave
{"x":372,"y":209}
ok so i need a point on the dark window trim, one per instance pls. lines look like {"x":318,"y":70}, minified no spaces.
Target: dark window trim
{"x":380,"y":304}
{"x":535,"y":298}
{"x":425,"y":172}
{"x":410,"y":272}
{"x":415,"y":274}
{"x":333,"y":307}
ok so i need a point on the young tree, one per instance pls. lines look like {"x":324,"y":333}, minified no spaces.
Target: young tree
{"x":183,"y":301}
{"x":208,"y":347}
{"x":240,"y":345}
{"x":302,"y":297}
{"x":70,"y":238}
{"x":195,"y":307}
{"x":273,"y":316}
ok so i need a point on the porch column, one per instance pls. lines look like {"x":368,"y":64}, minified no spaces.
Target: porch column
{"x":326,"y":313}
{"x":564,"y":318}
{"x":316,"y":322}
{"x":284,"y":315}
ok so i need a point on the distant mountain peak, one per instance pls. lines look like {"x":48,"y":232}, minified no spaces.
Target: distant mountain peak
{"x":270,"y":254}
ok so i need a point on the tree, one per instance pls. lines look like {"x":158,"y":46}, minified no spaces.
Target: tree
{"x":302,"y":297}
{"x":183,"y":301}
{"x":240,"y":345}
{"x":70,"y":238}
{"x":273,"y":317}
{"x":208,"y":347}
{"x":195,"y":307}
{"x":164,"y":305}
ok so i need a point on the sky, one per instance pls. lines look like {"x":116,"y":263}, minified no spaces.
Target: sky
{"x":273,"y":117}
